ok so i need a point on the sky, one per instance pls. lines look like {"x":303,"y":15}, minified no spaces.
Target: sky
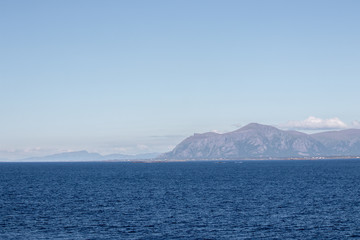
{"x":140,"y":76}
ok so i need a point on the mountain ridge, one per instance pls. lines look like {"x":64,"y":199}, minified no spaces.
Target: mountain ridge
{"x":264,"y":141}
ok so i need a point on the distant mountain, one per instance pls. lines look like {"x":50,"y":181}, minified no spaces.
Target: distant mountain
{"x":345,"y":142}
{"x":68,"y":157}
{"x":84,"y":156}
{"x":263,"y":141}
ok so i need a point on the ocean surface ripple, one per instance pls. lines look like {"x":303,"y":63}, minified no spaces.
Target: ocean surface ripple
{"x":182,"y":200}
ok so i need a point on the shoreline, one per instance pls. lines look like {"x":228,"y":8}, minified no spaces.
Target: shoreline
{"x":195,"y":160}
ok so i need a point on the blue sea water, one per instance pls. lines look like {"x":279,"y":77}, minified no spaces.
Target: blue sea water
{"x":188,"y":200}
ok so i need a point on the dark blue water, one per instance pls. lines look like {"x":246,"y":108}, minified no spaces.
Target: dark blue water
{"x":194,"y":200}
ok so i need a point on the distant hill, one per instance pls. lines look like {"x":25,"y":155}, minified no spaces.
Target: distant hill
{"x":345,"y":142}
{"x":84,"y":156}
{"x":263,"y":141}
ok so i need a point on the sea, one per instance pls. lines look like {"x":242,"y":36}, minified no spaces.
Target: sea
{"x":317,"y":199}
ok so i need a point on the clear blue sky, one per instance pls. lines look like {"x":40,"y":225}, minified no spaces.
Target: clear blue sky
{"x":139,"y":76}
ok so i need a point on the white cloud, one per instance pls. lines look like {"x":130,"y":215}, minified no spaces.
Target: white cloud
{"x":314,"y":123}
{"x":216,"y":131}
{"x":355,"y":124}
{"x":143,"y":147}
{"x":170,"y":148}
